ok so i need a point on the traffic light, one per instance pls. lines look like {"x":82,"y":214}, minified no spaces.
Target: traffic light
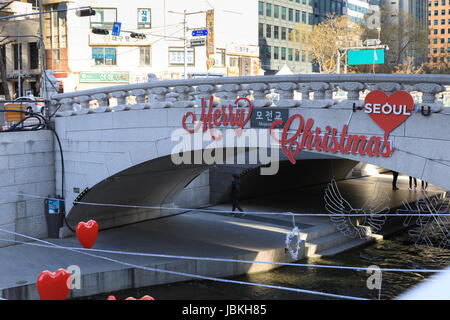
{"x":85,"y":12}
{"x":100,"y":31}
{"x":137,"y":35}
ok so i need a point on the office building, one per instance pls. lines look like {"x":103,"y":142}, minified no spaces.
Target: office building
{"x":277,"y":20}
{"x":439,"y":32}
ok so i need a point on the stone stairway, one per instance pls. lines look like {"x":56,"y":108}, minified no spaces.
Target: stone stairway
{"x":324,"y":241}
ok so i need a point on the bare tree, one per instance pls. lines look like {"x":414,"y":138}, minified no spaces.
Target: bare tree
{"x":325,"y":39}
{"x":405,"y":36}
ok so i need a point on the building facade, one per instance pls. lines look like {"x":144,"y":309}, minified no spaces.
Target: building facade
{"x":20,"y":48}
{"x":277,"y":20}
{"x":439,"y":32}
{"x":82,"y":59}
{"x":322,"y":8}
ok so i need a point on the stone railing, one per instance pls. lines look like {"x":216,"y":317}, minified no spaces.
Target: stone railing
{"x":302,"y":90}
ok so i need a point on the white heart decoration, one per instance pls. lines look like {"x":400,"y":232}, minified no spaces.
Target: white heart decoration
{"x":289,"y":237}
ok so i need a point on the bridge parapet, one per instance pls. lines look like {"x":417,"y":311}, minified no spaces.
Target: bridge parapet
{"x":302,"y":90}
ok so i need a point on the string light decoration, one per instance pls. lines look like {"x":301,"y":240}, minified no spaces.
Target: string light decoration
{"x":431,"y":228}
{"x":366,"y":220}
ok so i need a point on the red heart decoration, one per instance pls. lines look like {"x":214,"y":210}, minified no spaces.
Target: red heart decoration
{"x":131,"y":298}
{"x":87,"y":233}
{"x":53,"y":285}
{"x":401,"y":106}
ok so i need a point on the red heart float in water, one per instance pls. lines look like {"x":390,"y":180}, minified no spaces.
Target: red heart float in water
{"x":53,"y":285}
{"x":389,"y":112}
{"x":87,"y":233}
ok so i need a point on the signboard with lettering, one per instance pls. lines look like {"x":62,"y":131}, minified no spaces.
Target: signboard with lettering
{"x":210,"y":30}
{"x":110,"y":40}
{"x":264,"y":117}
{"x":199,"y":33}
{"x":122,"y":77}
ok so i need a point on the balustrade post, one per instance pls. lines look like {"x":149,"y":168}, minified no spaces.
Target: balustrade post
{"x":429,"y":91}
{"x":157,"y":98}
{"x":183,"y":97}
{"x":141,"y":102}
{"x":286,"y":92}
{"x":259,"y":93}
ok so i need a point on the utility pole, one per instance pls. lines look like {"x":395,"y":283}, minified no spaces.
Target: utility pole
{"x":43,"y":87}
{"x":185,"y":45}
{"x":19,"y":56}
{"x":185,"y":14}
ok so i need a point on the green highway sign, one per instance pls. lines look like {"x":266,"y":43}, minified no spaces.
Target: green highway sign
{"x":367,"y":56}
{"x":105,"y":77}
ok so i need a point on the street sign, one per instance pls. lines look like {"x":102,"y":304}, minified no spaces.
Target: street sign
{"x":200,"y":33}
{"x":198,"y":42}
{"x":369,"y":56}
{"x":264,"y":117}
{"x":116,"y":29}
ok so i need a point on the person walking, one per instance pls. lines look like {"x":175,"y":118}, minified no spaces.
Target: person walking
{"x":415,"y":182}
{"x":235,"y":192}
{"x":394,"y":180}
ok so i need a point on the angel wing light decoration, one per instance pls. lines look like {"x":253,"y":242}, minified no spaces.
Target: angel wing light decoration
{"x":366,"y":220}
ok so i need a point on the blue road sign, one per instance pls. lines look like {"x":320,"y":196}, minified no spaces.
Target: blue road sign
{"x":116,"y":29}
{"x":199,"y":33}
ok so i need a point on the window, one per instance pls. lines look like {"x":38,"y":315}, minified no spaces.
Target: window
{"x":434,"y":50}
{"x":144,"y":56}
{"x":310,"y":18}
{"x":291,"y":14}
{"x":304,"y":16}
{"x":261,"y":30}
{"x":219,"y":57}
{"x":144,"y":18}
{"x":442,"y":31}
{"x":104,"y":56}
{"x":261,"y":8}
{"x":297,"y":55}
{"x":268,"y":9}
{"x":275,"y":32}
{"x":17,"y":51}
{"x":33,"y":55}
{"x":56,"y":57}
{"x":435,"y":22}
{"x":176,"y":56}
{"x":268,"y":31}
{"x":276,"y":11}
{"x":443,"y":11}
{"x":435,"y":12}
{"x":283,"y":13}
{"x":434,"y":41}
{"x":104,"y":17}
{"x":283,"y":33}
{"x":442,"y":21}
{"x":276,"y":52}
{"x":442,"y":41}
{"x":290,"y":54}
{"x":283,"y":53}
{"x":435,"y":31}
{"x":297,"y":16}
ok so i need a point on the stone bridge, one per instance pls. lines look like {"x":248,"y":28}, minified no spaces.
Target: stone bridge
{"x":123,"y":150}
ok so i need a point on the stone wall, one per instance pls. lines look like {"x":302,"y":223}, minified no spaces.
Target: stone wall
{"x":26,"y":166}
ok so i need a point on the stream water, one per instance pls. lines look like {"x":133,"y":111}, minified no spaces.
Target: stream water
{"x":396,"y":252}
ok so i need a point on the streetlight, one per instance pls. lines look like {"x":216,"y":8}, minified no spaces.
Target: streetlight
{"x":185,"y":14}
